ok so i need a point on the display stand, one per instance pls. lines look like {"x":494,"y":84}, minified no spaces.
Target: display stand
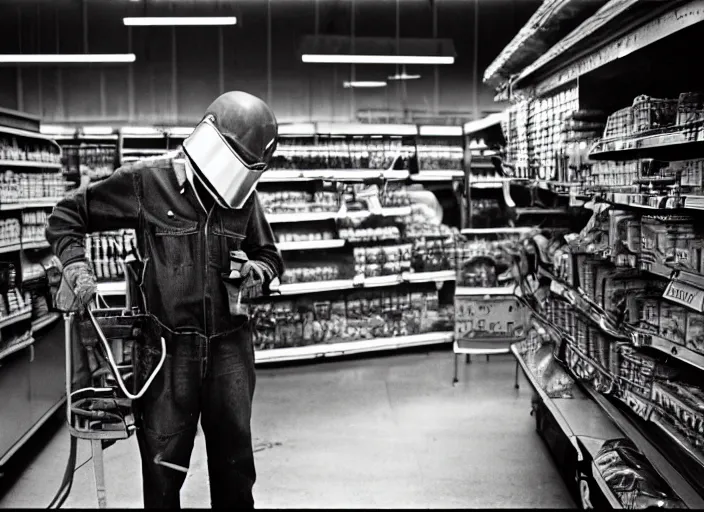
{"x":487,"y":320}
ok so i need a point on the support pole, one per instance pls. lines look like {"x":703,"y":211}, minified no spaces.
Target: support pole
{"x":99,"y":472}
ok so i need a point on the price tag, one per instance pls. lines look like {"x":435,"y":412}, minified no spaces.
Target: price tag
{"x":684,"y":294}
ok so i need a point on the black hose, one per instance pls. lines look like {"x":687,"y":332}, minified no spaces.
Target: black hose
{"x":67,"y":481}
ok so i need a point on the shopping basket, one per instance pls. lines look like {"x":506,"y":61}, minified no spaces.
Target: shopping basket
{"x":112,"y":357}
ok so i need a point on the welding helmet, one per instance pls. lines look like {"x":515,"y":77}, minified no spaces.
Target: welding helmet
{"x":232,"y":146}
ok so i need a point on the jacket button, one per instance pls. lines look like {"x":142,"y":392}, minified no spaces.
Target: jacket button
{"x":170,"y":213}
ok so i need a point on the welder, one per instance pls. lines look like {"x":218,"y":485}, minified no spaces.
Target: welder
{"x":190,"y":211}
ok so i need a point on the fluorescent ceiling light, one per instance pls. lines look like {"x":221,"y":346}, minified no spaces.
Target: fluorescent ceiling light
{"x":363,"y":84}
{"x":181,"y":21}
{"x":404,"y":76}
{"x":58,"y":58}
{"x":375,"y":59}
{"x":98,"y":130}
{"x":376,"y":50}
{"x":451,"y":131}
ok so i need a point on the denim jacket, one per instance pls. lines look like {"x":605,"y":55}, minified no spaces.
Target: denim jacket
{"x":185,"y":250}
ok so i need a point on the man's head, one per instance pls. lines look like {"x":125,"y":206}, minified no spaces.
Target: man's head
{"x":232,"y":146}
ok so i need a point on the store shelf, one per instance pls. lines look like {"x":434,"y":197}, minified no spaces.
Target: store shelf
{"x":577,"y":416}
{"x":316,"y":286}
{"x":497,"y":231}
{"x":10,"y":248}
{"x":606,"y":491}
{"x":279,"y":218}
{"x":352,"y":347}
{"x":16,"y":348}
{"x":679,"y":138}
{"x":118,"y":287}
{"x":399,"y":211}
{"x":479,"y":351}
{"x":26,"y":133}
{"x":591,"y":418}
{"x":13,"y":319}
{"x":128,"y":151}
{"x":642,"y":201}
{"x":37,"y":244}
{"x":644,"y":339}
{"x":654,"y":455}
{"x":28,"y":163}
{"x":376,"y":282}
{"x":425,"y":277}
{"x":310,"y":245}
{"x":650,"y":203}
{"x":466,"y":291}
{"x":486,"y":185}
{"x":583,"y":304}
{"x":45,"y":321}
{"x":447,"y":175}
{"x":677,"y":438}
{"x":283,"y":176}
{"x":112,"y":288}
{"x":31,"y":203}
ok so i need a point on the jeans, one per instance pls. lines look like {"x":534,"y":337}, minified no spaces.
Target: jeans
{"x":212,"y":378}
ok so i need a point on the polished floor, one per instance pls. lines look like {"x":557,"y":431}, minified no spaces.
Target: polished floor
{"x":388,"y":431}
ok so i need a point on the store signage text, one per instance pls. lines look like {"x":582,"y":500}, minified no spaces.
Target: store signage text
{"x":686,"y":295}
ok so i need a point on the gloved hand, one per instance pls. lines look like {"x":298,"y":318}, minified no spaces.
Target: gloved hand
{"x":255,"y":274}
{"x":77,"y":288}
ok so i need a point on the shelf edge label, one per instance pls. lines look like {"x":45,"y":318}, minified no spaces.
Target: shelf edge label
{"x":685,"y":295}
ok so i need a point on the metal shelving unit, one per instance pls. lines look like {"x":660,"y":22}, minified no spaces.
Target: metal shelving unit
{"x":32,"y":370}
{"x":30,"y":163}
{"x":613,"y":34}
{"x":351,"y":347}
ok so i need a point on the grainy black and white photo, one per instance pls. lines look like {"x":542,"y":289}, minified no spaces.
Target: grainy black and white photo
{"x":351,"y":254}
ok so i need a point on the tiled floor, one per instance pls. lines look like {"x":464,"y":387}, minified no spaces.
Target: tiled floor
{"x":376,"y":432}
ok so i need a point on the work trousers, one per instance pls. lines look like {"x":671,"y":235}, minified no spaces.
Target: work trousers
{"x":211,"y":378}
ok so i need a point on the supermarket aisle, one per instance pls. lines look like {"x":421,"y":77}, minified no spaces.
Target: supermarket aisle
{"x":373,"y":432}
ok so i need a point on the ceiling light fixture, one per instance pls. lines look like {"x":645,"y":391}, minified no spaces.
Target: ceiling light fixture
{"x":375,"y":59}
{"x":180,"y":21}
{"x":58,"y":58}
{"x":363,"y":84}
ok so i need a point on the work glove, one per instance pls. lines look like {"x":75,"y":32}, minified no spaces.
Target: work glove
{"x":255,"y":274}
{"x":77,"y":288}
